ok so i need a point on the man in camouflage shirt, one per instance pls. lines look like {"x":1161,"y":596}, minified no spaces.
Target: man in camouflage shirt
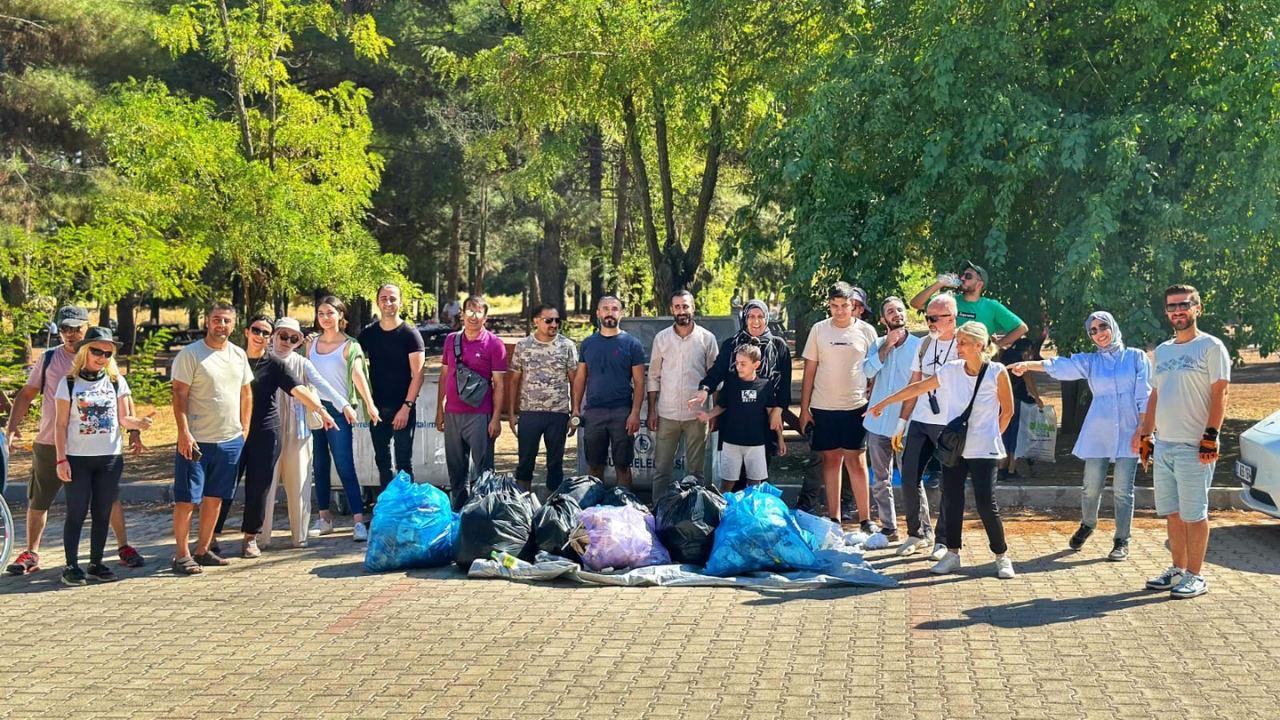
{"x":542,"y":368}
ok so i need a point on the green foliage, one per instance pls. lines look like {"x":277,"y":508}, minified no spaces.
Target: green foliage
{"x":146,"y":382}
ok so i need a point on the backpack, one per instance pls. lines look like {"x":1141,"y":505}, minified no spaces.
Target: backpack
{"x":44,"y":365}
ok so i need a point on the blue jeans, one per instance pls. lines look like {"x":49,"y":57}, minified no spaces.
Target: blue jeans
{"x":1095,"y":479}
{"x":341,"y":442}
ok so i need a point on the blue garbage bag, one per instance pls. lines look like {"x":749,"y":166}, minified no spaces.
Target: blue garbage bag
{"x":758,"y":532}
{"x":414,"y":527}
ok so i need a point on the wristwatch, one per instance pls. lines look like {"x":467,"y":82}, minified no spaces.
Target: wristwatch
{"x":408,"y":403}
{"x":575,"y":421}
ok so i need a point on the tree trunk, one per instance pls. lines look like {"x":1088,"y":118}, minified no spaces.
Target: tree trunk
{"x":672,"y":245}
{"x":706,"y":194}
{"x":595,"y":233}
{"x":237,"y":95}
{"x":104,"y":314}
{"x":238,"y":295}
{"x":622,"y":213}
{"x":551,"y":275}
{"x":126,"y":311}
{"x":455,"y":249}
{"x":662,"y":281}
{"x":478,"y":287}
{"x":155,"y":311}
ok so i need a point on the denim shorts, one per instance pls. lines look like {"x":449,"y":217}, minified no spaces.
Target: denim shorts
{"x":213,"y":475}
{"x":1181,"y":482}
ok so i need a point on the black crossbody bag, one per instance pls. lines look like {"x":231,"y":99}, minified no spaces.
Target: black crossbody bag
{"x":472,"y":387}
{"x":949,"y":448}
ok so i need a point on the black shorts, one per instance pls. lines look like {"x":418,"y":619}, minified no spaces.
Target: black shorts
{"x":604,"y":432}
{"x":838,"y":429}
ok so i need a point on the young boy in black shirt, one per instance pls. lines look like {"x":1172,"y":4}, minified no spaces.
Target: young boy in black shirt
{"x":748,"y":411}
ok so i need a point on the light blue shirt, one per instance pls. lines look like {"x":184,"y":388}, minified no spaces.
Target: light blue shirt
{"x":890,"y":376}
{"x":1121,"y":385}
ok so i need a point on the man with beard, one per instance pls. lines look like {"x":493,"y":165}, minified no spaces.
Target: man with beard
{"x":971,"y":306}
{"x":212,"y":406}
{"x":1185,"y":411}
{"x":539,"y":400}
{"x":917,"y":440}
{"x":775,"y":364}
{"x":888,"y":364}
{"x":608,"y":392}
{"x":681,"y":355}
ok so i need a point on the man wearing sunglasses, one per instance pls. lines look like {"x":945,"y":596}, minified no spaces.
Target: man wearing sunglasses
{"x":470,"y":429}
{"x":539,"y":398}
{"x":47,"y":373}
{"x":681,"y":356}
{"x":971,"y":306}
{"x":1185,"y":411}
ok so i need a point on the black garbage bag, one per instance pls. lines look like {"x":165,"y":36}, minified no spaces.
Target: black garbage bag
{"x":553,"y":524}
{"x":621,"y":497}
{"x":585,"y":490}
{"x":499,"y":516}
{"x":687,"y":517}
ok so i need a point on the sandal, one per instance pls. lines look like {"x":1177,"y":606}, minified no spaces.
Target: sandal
{"x":209,"y":559}
{"x":186,"y":566}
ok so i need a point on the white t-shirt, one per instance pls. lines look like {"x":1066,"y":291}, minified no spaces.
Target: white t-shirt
{"x":936,"y":354}
{"x":215,"y":377}
{"x":955,"y":388}
{"x":839,"y":383}
{"x":93,"y":425}
{"x":1184,"y":377}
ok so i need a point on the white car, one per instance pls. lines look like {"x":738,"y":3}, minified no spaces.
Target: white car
{"x":1258,"y":468}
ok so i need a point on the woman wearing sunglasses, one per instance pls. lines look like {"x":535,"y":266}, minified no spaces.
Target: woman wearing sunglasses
{"x":90,"y":448}
{"x":1120,"y":380}
{"x":341,"y":361}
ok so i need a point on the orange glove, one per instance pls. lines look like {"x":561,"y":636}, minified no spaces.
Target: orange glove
{"x":1146,"y":448}
{"x":1209,"y":446}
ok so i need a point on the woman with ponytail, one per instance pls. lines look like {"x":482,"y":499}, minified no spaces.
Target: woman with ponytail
{"x":973,"y":378}
{"x":1120,"y":380}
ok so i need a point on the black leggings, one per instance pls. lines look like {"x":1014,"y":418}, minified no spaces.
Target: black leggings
{"x":982,"y":475}
{"x":94,"y":486}
{"x":259,"y":459}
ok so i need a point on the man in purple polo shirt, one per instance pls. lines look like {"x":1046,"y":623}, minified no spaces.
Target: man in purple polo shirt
{"x":469,"y":430}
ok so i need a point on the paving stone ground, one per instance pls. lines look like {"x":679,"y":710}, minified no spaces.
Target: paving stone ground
{"x":307,"y":634}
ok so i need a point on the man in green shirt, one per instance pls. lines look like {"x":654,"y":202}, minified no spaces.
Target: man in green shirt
{"x":972,"y":307}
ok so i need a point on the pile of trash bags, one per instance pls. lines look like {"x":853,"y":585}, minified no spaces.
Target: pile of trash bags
{"x":414,"y":527}
{"x":497,"y":518}
{"x":602,"y":527}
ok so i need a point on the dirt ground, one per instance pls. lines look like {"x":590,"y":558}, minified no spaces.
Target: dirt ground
{"x":1254,"y":394}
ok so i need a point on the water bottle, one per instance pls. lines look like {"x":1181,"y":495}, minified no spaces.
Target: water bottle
{"x":505,"y":559}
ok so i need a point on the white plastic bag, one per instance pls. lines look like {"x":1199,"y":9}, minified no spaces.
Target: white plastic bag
{"x":1037,"y":433}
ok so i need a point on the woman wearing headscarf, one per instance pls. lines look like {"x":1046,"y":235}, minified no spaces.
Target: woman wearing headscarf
{"x":775,"y":361}
{"x":1120,"y":380}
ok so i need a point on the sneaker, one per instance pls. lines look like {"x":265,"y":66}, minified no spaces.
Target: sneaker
{"x":73,"y":576}
{"x":1082,"y":534}
{"x":848,"y":513}
{"x":869,"y":527}
{"x":912,"y":546}
{"x":1167,"y":580}
{"x":322,"y":527}
{"x":949,"y":563}
{"x":249,"y":549}
{"x":101,"y":573}
{"x":27,"y":563}
{"x":1004,"y":568}
{"x":1119,"y":552}
{"x":933,"y":481}
{"x":360,"y":533}
{"x":891,"y":534}
{"x":130,"y":557}
{"x":1191,"y":586}
{"x":300,"y":543}
{"x":939,"y":551}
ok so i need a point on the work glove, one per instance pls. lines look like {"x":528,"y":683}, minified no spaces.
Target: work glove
{"x":897,"y":441}
{"x":1209,"y":446}
{"x":1146,"y":448}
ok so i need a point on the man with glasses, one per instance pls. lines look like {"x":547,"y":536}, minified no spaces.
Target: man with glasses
{"x":396,"y":354}
{"x":971,"y":306}
{"x":539,"y":400}
{"x":1185,"y":411}
{"x":470,"y":426}
{"x":920,"y":422}
{"x":608,"y":392}
{"x":681,"y":355}
{"x":46,"y":374}
{"x":833,"y":397}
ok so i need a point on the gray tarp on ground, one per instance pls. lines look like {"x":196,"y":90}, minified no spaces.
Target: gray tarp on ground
{"x":845,"y":566}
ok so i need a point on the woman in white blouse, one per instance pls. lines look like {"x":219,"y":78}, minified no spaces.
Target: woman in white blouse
{"x":983,"y":448}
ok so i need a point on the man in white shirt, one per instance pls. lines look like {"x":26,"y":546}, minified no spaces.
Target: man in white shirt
{"x":889,"y":366}
{"x":680,"y":357}
{"x":833,"y":397}
{"x":1187,"y":404}
{"x":919,"y":423}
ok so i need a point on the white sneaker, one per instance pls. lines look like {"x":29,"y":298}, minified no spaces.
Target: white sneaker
{"x":1004,"y":568}
{"x":912,"y":546}
{"x":361,"y":533}
{"x":939,"y":551}
{"x":949,"y":563}
{"x":1191,"y":586}
{"x":1167,"y":580}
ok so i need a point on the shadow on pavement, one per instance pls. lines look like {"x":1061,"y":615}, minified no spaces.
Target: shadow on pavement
{"x":1048,"y":611}
{"x":1247,"y":548}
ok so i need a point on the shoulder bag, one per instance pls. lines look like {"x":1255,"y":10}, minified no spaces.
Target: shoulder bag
{"x":950,"y":445}
{"x":471,"y":386}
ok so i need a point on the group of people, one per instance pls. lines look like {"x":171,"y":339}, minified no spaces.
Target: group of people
{"x":268,"y":412}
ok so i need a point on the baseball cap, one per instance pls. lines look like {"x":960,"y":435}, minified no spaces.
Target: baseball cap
{"x":982,"y":272}
{"x":72,"y":316}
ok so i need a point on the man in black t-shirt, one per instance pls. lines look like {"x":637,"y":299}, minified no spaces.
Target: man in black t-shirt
{"x":396,"y":353}
{"x":749,"y":412}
